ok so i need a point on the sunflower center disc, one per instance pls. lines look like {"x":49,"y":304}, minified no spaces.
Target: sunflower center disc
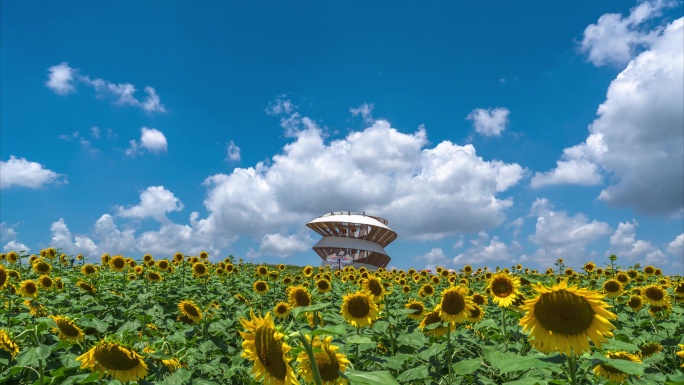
{"x":432,"y":317}
{"x":270,"y":353}
{"x":327,"y":366}
{"x":564,"y":313}
{"x":452,"y":303}
{"x":654,"y":293}
{"x":475,"y":313}
{"x":612,"y":286}
{"x":374,"y":287}
{"x":417,"y":307}
{"x":68,"y":329}
{"x":260,"y":286}
{"x":191,"y":310}
{"x":323,"y":284}
{"x":634,"y":302}
{"x":502,"y":288}
{"x":302,"y":298}
{"x":114,"y":357}
{"x":359,"y":307}
{"x":281,"y":309}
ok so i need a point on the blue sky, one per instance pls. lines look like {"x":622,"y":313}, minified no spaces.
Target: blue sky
{"x":520,"y":133}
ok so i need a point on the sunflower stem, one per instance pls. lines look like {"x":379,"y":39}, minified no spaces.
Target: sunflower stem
{"x":505,"y":330}
{"x":312,"y":358}
{"x":449,"y":353}
{"x":572,"y":366}
{"x":356,"y":356}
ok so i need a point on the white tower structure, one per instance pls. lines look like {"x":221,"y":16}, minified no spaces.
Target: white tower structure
{"x":361,"y":237}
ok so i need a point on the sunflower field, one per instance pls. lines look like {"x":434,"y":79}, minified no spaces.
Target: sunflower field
{"x":186,"y":320}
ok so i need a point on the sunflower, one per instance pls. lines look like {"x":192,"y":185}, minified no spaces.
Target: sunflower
{"x":163,"y":264}
{"x":8,"y":344}
{"x":649,"y":270}
{"x":563,"y":318}
{"x":479,"y":299}
{"x":504,"y":289}
{"x":467,"y":269}
{"x":431,"y":318}
{"x":105,"y":259}
{"x":264,"y":345}
{"x":359,"y":309}
{"x":86,"y":287}
{"x":67,"y":329}
{"x":612,"y":288}
{"x":242,"y":299}
{"x":113,"y":360}
{"x":650,"y":349}
{"x":476,"y":314}
{"x":455,"y":304}
{"x":28,"y":288}
{"x":655,"y":310}
{"x":427,"y":290}
{"x":35,"y":308}
{"x":330,"y":363}
{"x":190,"y":310}
{"x":46,"y":282}
{"x":147,"y":258}
{"x":655,"y":295}
{"x":612,"y":374}
{"x":262,"y":271}
{"x":308,"y":271}
{"x":281,"y":310}
{"x":323,"y":285}
{"x":314,"y":319}
{"x":117,"y":263}
{"x":203,"y":255}
{"x":418,"y":307}
{"x":406,"y":289}
{"x":199,"y":269}
{"x":4,"y":277}
{"x":680,"y":353}
{"x":298,"y":296}
{"x":153,"y":276}
{"x":260,"y":287}
{"x":635,"y":302}
{"x":178,"y":258}
{"x":41,"y":267}
{"x":88,"y":269}
{"x":12,"y":257}
{"x":374,"y":286}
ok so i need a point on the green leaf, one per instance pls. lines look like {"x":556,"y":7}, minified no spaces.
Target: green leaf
{"x":178,"y":377}
{"x":207,"y":346}
{"x":357,"y":377}
{"x":522,"y":363}
{"x":396,"y":362}
{"x":675,"y":379}
{"x":299,"y":309}
{"x":356,"y":339}
{"x":467,"y":366}
{"x":488,"y":323}
{"x":337,"y":329}
{"x":619,"y":345}
{"x":381,"y":326}
{"x":626,"y":366}
{"x":33,"y":356}
{"x":527,"y":381}
{"x":418,"y":373}
{"x":431,"y":351}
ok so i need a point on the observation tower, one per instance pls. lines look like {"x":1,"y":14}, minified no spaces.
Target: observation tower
{"x":359,"y":237}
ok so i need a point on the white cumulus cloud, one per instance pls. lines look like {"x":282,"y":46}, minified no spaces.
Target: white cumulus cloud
{"x":365,"y":110}
{"x":615,"y":39}
{"x":155,"y":202}
{"x":23,"y":173}
{"x":489,"y":122}
{"x":637,"y":138}
{"x":624,"y":244}
{"x":151,"y":140}
{"x":676,"y":247}
{"x":282,"y":246}
{"x":61,"y":79}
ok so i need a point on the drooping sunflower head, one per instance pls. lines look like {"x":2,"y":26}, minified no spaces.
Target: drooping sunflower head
{"x":67,"y":329}
{"x":657,"y":311}
{"x":612,"y":288}
{"x":323,"y":285}
{"x":650,"y":349}
{"x":8,"y":344}
{"x":504,"y":288}
{"x":115,"y":361}
{"x":242,"y":299}
{"x":359,"y":309}
{"x":563,"y":319}
{"x":635,"y":302}
{"x":117,"y":263}
{"x":85,"y":286}
{"x":153,"y":276}
{"x":431,"y":318}
{"x":455,"y":304}
{"x":418,"y":307}
{"x":281,"y":309}
{"x":476,"y":314}
{"x":655,"y":295}
{"x":28,"y":288}
{"x":613,"y":374}
{"x":260,"y":287}
{"x":41,"y":267}
{"x":4,"y":277}
{"x":265,"y":346}
{"x":190,"y":310}
{"x":298,"y":296}
{"x":105,"y":259}
{"x":330,"y":363}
